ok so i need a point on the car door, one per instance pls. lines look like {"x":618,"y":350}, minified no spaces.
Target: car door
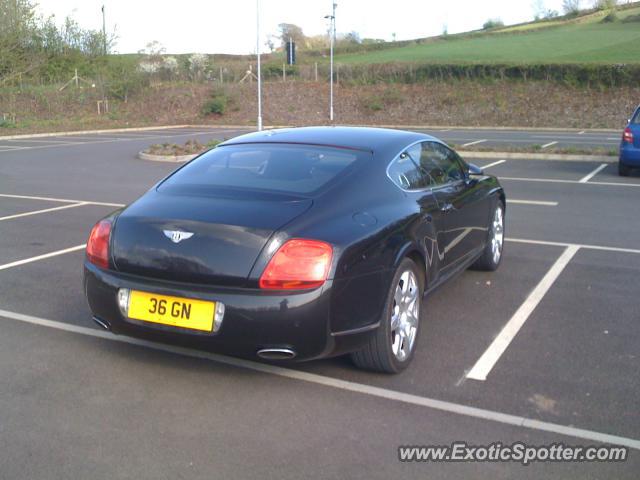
{"x":461,"y":202}
{"x":405,"y":171}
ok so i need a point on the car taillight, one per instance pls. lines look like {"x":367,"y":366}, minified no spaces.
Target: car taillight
{"x":298,"y":264}
{"x":627,"y":135}
{"x":98,"y":244}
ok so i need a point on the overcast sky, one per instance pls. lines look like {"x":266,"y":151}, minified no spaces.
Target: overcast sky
{"x":228,"y":26}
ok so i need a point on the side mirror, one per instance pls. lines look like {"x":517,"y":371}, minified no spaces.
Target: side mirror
{"x":475,"y":170}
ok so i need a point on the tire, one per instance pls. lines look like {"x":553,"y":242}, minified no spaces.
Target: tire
{"x":492,"y":254}
{"x":391,"y":348}
{"x":623,"y":170}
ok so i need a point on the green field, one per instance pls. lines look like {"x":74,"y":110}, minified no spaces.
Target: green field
{"x":586,"y":40}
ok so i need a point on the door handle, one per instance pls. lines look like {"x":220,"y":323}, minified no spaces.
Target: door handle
{"x":446,"y":208}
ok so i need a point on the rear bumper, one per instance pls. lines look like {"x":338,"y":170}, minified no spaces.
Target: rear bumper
{"x":629,"y":155}
{"x":253,"y":319}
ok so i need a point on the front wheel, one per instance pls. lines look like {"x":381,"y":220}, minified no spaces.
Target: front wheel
{"x":492,"y":253}
{"x":623,"y":170}
{"x":392,"y":347}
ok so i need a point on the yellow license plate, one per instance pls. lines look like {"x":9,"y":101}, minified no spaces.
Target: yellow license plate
{"x":173,"y":311}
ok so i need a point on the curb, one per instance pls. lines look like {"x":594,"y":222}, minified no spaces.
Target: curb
{"x":251,"y":127}
{"x":86,"y":132}
{"x":538,"y":156}
{"x":166,"y":158}
{"x":517,"y":129}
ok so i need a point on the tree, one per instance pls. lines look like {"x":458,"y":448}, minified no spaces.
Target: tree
{"x":352,"y":37}
{"x":538,"y":9}
{"x":270,"y":43}
{"x":605,"y":4}
{"x":18,"y":37}
{"x":492,"y":23}
{"x":290,"y":31}
{"x":198,"y":65}
{"x":571,"y":7}
{"x":30,"y":44}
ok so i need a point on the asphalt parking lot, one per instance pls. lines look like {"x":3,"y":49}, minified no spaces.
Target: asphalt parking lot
{"x":542,"y":139}
{"x":545,"y":350}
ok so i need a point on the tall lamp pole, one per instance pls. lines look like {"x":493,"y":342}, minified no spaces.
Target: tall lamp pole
{"x":259,"y":71}
{"x":332,"y":38}
{"x":104,"y":33}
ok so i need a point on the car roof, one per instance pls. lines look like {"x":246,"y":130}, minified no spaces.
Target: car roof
{"x":376,"y":140}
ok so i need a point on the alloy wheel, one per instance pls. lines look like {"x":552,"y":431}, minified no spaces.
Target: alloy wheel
{"x":405,"y":315}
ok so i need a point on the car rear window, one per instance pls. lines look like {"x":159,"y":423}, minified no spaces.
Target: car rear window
{"x":296,"y":169}
{"x":636,"y":117}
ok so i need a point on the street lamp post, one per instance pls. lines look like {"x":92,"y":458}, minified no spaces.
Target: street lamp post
{"x":104,"y":33}
{"x":332,"y":39}
{"x":259,"y":71}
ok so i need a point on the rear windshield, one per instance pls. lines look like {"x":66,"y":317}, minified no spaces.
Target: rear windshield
{"x":294,"y":169}
{"x":636,"y":117}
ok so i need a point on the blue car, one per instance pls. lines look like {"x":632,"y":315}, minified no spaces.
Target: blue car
{"x":630,"y":145}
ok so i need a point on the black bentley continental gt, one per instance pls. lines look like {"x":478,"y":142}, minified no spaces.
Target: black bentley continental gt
{"x":297,"y":244}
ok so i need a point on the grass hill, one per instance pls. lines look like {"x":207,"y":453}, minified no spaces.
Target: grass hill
{"x":589,"y":38}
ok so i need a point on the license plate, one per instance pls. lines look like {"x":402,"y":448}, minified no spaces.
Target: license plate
{"x":173,"y":311}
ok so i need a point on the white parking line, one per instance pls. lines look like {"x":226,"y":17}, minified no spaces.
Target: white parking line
{"x":558,"y":180}
{"x":91,"y":141}
{"x":585,"y":246}
{"x":493,"y":164}
{"x":586,"y":178}
{"x":383,"y":393}
{"x":532,"y":202}
{"x":42,"y":257}
{"x":581,"y":133}
{"x":474,"y":143}
{"x":549,"y":144}
{"x":40,"y":141}
{"x":46,"y":210}
{"x":62,"y":200}
{"x":489,"y":358}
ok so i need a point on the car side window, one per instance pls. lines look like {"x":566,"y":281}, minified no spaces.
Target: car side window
{"x":405,"y":170}
{"x":441,"y":164}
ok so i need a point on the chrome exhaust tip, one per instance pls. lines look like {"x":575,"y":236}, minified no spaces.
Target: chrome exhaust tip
{"x":103,"y":323}
{"x":276,"y":354}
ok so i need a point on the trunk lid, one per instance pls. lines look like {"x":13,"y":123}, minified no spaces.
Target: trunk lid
{"x":228,"y":234}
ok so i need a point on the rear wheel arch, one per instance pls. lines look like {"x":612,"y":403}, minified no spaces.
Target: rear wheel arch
{"x":413,"y":253}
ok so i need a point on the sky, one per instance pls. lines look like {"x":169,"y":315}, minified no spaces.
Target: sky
{"x":229,"y":26}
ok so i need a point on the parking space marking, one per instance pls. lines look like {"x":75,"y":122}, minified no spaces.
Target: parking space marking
{"x":26,"y":140}
{"x":12,"y":147}
{"x":46,"y":210}
{"x":494,"y":164}
{"x":581,"y":245}
{"x":558,"y":180}
{"x":550,"y":144}
{"x":474,"y":143}
{"x":92,"y":141}
{"x":489,"y":358}
{"x":532,"y":202}
{"x":42,"y":257}
{"x":384,"y":393}
{"x":588,"y":177}
{"x":62,"y":200}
